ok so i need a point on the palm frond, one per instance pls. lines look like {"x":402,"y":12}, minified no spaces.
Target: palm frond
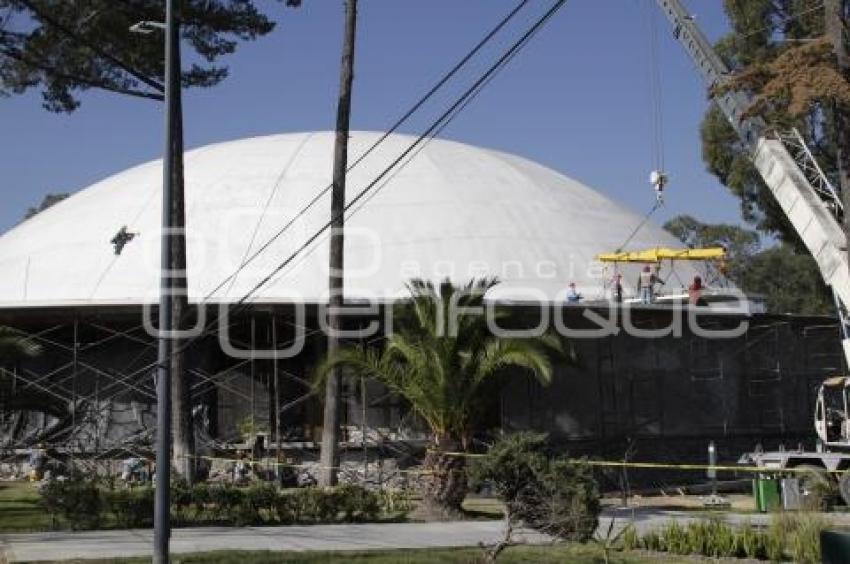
{"x":522,"y":353}
{"x":441,"y":373}
{"x":14,"y":344}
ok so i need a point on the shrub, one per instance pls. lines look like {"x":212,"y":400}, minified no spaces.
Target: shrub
{"x":548,"y":492}
{"x":721,"y":540}
{"x":181,"y":501}
{"x":286,"y":509}
{"x":315,"y":505}
{"x":674,"y":539}
{"x":260,"y":503}
{"x":78,"y":502}
{"x":774,"y":546}
{"x":794,"y":534}
{"x":394,"y":502}
{"x":751,"y":542}
{"x":631,"y":540}
{"x":698,"y":537}
{"x":652,"y":541}
{"x":83,"y":504}
{"x":201,"y":499}
{"x":226,"y":499}
{"x":804,"y":540}
{"x":131,"y":508}
{"x":356,"y":503}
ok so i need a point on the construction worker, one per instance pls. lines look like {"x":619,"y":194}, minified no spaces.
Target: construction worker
{"x":38,"y":462}
{"x":645,"y":285}
{"x":695,"y":292}
{"x":131,"y":469}
{"x":647,"y":281}
{"x":618,"y":288}
{"x":573,"y":296}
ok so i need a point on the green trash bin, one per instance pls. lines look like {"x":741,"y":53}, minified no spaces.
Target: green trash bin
{"x":766,"y":494}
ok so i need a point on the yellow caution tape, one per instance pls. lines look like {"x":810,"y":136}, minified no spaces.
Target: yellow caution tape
{"x":586,"y":462}
{"x":668,"y":466}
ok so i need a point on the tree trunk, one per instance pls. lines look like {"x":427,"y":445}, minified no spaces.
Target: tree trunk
{"x":444,"y":482}
{"x":182,"y":431}
{"x":330,"y":426}
{"x":835,"y":21}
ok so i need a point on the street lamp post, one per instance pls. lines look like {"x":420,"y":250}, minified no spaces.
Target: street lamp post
{"x":171,"y":178}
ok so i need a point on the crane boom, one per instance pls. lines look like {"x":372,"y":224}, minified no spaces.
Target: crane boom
{"x":783,"y":160}
{"x":713,"y":70}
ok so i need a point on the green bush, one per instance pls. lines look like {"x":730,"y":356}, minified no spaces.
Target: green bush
{"x":226,"y":500}
{"x":804,"y":539}
{"x":315,"y":505}
{"x":286,"y":508}
{"x":394,"y":502}
{"x":181,"y":502}
{"x":544,"y":490}
{"x":630,"y":540}
{"x":260,"y":503}
{"x":77,"y":502}
{"x":652,"y":541}
{"x":130,"y":508}
{"x":84,"y":504}
{"x":751,"y":542}
{"x":698,"y":537}
{"x":789,"y":534}
{"x":721,"y":540}
{"x":356,"y":503}
{"x":201,"y":500}
{"x":674,"y":539}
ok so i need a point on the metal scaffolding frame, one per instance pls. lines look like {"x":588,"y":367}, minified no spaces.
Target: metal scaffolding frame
{"x":91,"y":361}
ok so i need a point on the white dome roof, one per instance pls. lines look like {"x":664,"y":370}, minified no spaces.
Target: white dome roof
{"x":453,"y":211}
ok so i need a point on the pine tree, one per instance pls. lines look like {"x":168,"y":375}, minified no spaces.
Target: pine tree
{"x":63,"y":48}
{"x":780,"y":53}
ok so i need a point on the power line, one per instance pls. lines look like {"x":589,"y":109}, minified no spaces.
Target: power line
{"x":656,"y":114}
{"x":433,"y":127}
{"x":399,"y":122}
{"x":427,"y":96}
{"x":461,"y":102}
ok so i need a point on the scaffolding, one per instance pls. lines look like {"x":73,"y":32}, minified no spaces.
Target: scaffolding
{"x":90,"y":397}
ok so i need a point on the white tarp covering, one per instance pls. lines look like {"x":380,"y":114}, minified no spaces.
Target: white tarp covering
{"x":453,"y":211}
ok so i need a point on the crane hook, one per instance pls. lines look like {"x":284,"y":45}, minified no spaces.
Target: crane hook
{"x":658,"y":179}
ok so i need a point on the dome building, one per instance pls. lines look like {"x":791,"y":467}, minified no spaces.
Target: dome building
{"x":80,"y":277}
{"x":449,"y":211}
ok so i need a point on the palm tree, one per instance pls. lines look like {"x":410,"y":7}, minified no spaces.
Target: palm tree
{"x":14,"y":345}
{"x":442,"y":358}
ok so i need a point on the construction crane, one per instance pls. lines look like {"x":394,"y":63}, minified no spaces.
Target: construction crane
{"x":814,"y":208}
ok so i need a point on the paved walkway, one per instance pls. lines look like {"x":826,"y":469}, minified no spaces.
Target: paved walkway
{"x":113,"y":544}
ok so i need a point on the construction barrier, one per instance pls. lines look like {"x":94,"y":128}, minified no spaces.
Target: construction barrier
{"x":581,"y":461}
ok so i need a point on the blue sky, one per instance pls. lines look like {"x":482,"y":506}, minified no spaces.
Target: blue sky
{"x":576,"y":99}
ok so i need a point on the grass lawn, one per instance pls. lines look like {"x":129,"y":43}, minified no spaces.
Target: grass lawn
{"x":19,"y":509}
{"x":483,"y":508}
{"x":573,"y":553}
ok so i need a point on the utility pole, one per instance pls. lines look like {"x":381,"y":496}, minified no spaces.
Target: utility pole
{"x":172,"y":283}
{"x":183,"y":432}
{"x":330,"y":428}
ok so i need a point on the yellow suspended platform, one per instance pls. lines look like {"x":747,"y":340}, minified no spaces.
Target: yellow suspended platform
{"x":659,"y":254}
